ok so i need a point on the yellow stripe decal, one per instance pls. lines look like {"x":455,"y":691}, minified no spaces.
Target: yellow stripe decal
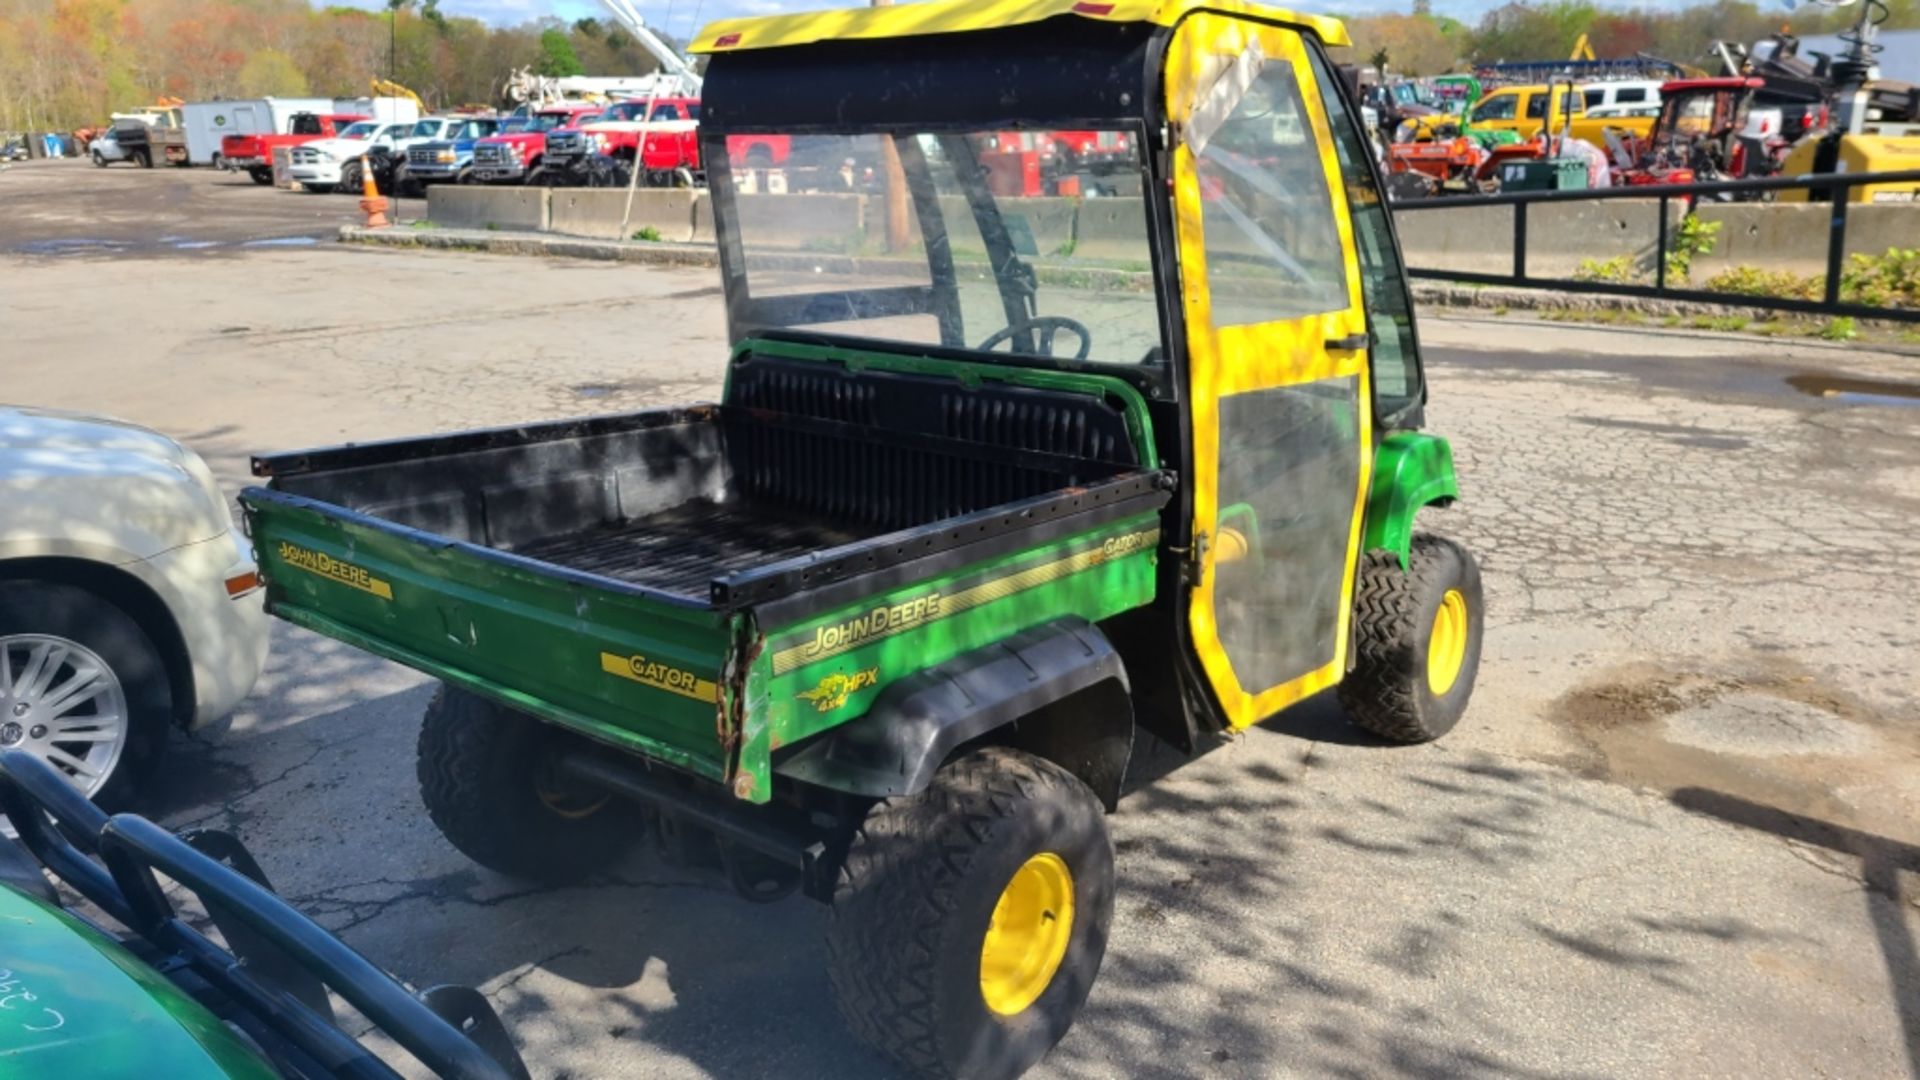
{"x":320,"y":564}
{"x":659,"y":676}
{"x":845,"y":635}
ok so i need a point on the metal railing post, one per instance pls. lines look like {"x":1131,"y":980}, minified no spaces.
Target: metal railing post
{"x":1660,"y":251}
{"x":1840,"y":194}
{"x":1520,"y":240}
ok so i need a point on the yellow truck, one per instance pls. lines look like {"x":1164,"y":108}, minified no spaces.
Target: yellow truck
{"x":1528,"y":110}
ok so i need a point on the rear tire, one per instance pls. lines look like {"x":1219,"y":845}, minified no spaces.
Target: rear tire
{"x":1412,"y":676}
{"x":144,"y":157}
{"x":46,"y":611}
{"x":261,"y":175}
{"x":927,"y":878}
{"x":487,"y":780}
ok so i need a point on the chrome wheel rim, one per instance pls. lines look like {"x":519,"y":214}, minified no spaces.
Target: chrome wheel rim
{"x":64,"y":705}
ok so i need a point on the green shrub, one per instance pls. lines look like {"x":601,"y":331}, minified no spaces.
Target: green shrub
{"x":1840,"y":329}
{"x":649,"y":234}
{"x":1617,"y":269}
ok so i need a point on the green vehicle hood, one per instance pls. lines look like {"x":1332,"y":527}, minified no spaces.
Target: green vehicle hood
{"x":75,"y":1003}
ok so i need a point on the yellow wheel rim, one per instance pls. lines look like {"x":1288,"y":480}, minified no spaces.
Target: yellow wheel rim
{"x":1032,"y":923}
{"x":569,"y":804}
{"x":1447,"y":644}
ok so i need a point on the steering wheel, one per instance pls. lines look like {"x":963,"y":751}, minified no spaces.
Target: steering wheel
{"x":1048,"y":326}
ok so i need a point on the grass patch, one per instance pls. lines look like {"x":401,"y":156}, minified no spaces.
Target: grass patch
{"x":650,"y":234}
{"x":1725,"y":324}
{"x":1840,"y":329}
{"x":422,"y":223}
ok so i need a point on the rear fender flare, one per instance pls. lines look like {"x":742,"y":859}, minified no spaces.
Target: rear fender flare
{"x":1058,"y":690}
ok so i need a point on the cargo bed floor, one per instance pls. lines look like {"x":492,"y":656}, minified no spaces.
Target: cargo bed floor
{"x":682,"y":549}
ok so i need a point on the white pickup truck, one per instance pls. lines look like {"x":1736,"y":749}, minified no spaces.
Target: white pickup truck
{"x":129,"y":602}
{"x":325,"y":164}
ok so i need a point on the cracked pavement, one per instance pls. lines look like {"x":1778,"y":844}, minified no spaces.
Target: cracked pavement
{"x":1675,"y":834}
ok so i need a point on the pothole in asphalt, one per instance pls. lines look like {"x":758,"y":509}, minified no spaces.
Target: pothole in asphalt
{"x":1760,"y":724}
{"x":1766,"y":731}
{"x":1846,"y":390}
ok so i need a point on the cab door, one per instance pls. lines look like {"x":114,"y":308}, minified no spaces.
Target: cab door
{"x":1277,"y":347}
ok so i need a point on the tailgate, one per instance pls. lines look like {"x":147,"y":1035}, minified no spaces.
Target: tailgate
{"x":638,"y":671}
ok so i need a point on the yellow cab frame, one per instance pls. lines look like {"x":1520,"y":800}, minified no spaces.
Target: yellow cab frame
{"x":1293,"y":388}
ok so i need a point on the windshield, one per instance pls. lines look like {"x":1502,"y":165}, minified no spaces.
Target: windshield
{"x":1027,"y":242}
{"x":362,"y":130}
{"x":425,"y":128}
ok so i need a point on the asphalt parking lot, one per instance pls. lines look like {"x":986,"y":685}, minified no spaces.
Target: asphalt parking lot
{"x":1675,"y":835}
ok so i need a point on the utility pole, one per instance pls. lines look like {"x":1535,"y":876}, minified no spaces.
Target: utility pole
{"x":898,"y":230}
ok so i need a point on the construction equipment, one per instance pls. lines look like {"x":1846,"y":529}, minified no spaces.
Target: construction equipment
{"x":389,"y":88}
{"x":1874,"y":123}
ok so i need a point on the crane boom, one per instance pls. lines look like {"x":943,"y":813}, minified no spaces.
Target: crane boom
{"x":672,"y":64}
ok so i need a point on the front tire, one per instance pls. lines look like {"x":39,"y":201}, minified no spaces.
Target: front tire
{"x":83,"y":688}
{"x":1416,"y":641}
{"x":970,"y":920}
{"x":99,"y":162}
{"x":261,"y":175}
{"x":349,"y":177}
{"x":487,"y":777}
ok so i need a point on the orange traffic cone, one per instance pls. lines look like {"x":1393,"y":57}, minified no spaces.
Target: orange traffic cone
{"x":372,"y":203}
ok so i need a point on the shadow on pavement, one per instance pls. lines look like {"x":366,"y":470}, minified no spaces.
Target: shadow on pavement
{"x":1881,"y":861}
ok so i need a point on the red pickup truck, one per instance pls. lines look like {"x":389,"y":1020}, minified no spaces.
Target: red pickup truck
{"x":254,"y":153}
{"x":599,"y":151}
{"x":519,"y":154}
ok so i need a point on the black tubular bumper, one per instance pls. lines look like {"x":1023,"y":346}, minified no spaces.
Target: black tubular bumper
{"x":273,"y":983}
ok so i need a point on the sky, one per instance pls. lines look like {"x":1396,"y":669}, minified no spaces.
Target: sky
{"x":682,"y":18}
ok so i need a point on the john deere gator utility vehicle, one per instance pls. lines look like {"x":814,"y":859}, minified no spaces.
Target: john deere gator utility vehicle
{"x":993,"y":481}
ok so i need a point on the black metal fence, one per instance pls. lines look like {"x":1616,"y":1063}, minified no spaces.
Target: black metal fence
{"x":1834,"y":188}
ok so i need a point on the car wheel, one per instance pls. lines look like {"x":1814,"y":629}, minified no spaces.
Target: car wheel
{"x":82,"y":687}
{"x":350,"y":177}
{"x":261,"y":175}
{"x":145,"y":158}
{"x":970,"y":920}
{"x":465,"y":176}
{"x":98,"y":161}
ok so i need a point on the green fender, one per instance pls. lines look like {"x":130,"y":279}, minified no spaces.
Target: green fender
{"x":1410,"y":470}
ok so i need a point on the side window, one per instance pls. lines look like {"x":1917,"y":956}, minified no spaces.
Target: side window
{"x":1596,"y":98}
{"x":1496,"y":108}
{"x":1394,"y":358}
{"x":306,"y":124}
{"x":1272,"y":249}
{"x":1629,"y":95}
{"x":1536,"y":106}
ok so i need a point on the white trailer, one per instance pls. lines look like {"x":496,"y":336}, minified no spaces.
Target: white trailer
{"x":391,"y":110}
{"x":207,"y":122}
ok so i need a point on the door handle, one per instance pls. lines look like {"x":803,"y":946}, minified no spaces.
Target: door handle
{"x":1349,"y":343}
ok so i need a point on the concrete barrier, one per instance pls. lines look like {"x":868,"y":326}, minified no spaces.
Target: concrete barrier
{"x":807,"y":222}
{"x":1053,"y":222}
{"x":1111,"y":229}
{"x":1792,"y":237}
{"x":462,"y":206}
{"x":703,"y":219}
{"x":1560,"y":236}
{"x":597,"y":212}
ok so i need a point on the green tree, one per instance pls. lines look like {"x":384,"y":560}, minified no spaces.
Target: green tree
{"x":272,"y":73}
{"x":556,"y":55}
